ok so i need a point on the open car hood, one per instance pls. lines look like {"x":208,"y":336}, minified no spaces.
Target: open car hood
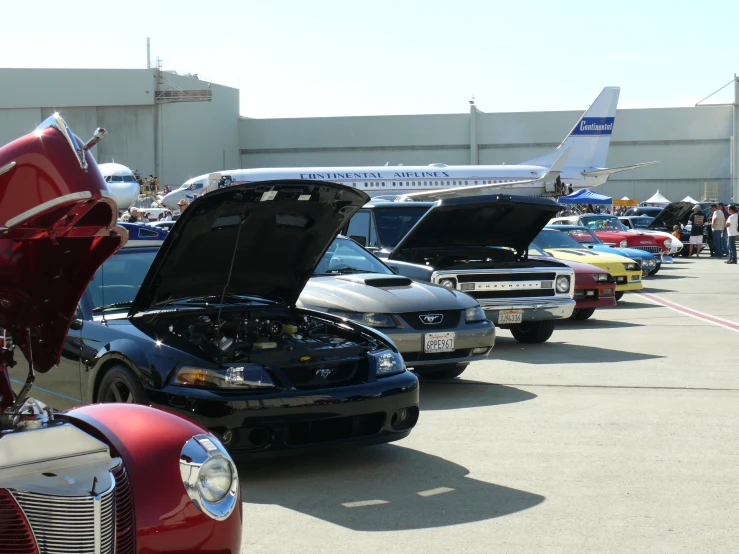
{"x":490,"y":220}
{"x":254,"y":239}
{"x":672,"y":214}
{"x":57,"y":226}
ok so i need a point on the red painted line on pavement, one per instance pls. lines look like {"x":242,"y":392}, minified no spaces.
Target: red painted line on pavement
{"x":712,"y":319}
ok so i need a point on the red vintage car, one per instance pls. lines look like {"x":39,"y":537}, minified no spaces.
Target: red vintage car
{"x":612,"y":232}
{"x":594,"y":287}
{"x":107,"y":479}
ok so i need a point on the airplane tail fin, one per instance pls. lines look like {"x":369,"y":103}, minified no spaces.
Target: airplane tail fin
{"x":589,"y":139}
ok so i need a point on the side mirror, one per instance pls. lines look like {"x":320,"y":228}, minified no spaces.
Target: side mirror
{"x":359,"y":238}
{"x":76,"y":325}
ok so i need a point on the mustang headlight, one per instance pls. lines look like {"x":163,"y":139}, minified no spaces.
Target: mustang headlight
{"x":246,"y":376}
{"x":474,"y":315}
{"x":668,"y":243}
{"x":562,"y":284}
{"x":632,"y":267}
{"x":624,"y":243}
{"x":448,"y":282}
{"x":209,"y":476}
{"x":600,"y":277}
{"x":371,"y":319}
{"x":388,"y":362}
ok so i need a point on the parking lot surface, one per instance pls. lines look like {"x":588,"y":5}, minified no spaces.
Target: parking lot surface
{"x":620,"y":434}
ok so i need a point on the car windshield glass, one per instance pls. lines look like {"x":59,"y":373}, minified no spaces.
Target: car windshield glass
{"x":346,"y":256}
{"x":602,"y":223}
{"x":394,"y":223}
{"x":556,"y":239}
{"x":583,"y":236}
{"x":117,"y":282}
{"x":641,"y":222}
{"x":534,"y":250}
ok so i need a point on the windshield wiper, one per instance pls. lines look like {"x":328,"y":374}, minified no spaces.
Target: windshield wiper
{"x":112,"y":306}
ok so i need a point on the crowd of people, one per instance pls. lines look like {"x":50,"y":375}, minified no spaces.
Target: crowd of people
{"x":720,"y":228}
{"x":580,"y":209}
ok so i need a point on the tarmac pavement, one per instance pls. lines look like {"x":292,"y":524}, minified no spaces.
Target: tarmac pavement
{"x":620,"y":434}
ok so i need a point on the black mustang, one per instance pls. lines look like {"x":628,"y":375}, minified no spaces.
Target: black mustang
{"x":207,"y":326}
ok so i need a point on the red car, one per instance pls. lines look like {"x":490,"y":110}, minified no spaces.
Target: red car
{"x":611,"y":231}
{"x":594,"y":287}
{"x":106,"y":479}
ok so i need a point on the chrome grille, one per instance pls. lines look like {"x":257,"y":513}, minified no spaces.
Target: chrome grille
{"x":650,"y":249}
{"x":70,"y":524}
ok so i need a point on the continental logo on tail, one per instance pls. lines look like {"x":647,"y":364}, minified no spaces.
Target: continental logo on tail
{"x":594,"y":126}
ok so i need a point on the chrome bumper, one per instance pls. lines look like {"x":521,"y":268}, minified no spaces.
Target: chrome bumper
{"x":533,"y":310}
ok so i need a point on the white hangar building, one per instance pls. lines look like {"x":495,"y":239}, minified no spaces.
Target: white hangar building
{"x":177,"y":127}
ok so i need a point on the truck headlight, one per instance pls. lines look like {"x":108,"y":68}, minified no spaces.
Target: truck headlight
{"x":448,"y":282}
{"x":562,"y":284}
{"x":371,"y":319}
{"x":624,"y":243}
{"x":474,"y":315}
{"x":388,"y":362}
{"x":209,"y":476}
{"x":668,"y":243}
{"x":245,"y":376}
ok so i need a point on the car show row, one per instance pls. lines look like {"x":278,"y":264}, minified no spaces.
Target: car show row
{"x":273,"y":315}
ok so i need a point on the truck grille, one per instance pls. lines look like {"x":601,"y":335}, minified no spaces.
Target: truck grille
{"x":492,"y":277}
{"x":125,"y":520}
{"x":15,"y":534}
{"x":70,"y":524}
{"x":650,"y":249}
{"x":449,"y":319}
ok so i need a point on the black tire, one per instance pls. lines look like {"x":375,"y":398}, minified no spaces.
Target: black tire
{"x":582,"y":314}
{"x":119,"y":384}
{"x":654,"y":271}
{"x":619,"y":294}
{"x":533,"y":332}
{"x":443,"y":371}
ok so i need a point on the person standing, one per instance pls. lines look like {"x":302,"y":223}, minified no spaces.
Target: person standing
{"x":697,"y":221}
{"x":724,"y":236}
{"x":718,"y":226}
{"x":732,"y":230}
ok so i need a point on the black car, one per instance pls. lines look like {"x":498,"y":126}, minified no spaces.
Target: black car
{"x":206,"y":326}
{"x":678,"y":213}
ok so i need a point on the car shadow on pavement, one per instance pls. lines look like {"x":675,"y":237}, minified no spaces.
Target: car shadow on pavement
{"x":459,"y":393}
{"x":594,"y":323}
{"x":655,"y":290}
{"x":660,"y":277}
{"x":379,"y":488}
{"x":562,"y":353}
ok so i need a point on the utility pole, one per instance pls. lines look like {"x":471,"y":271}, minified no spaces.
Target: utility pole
{"x":473,"y":133}
{"x":735,"y":142}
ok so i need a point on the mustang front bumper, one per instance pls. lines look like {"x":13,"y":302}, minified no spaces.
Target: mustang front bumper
{"x":381,"y":410}
{"x":534,"y":309}
{"x":468,"y":338}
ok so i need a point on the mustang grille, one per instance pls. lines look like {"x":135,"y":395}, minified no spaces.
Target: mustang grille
{"x":125,"y":520}
{"x":327,"y":374}
{"x":450,"y":319}
{"x":411,"y":357}
{"x":650,"y":249}
{"x":70,"y":524}
{"x":15,"y":534}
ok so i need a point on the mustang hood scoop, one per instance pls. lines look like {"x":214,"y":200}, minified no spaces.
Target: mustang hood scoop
{"x":492,"y":220}
{"x":57,"y":226}
{"x":379,"y":281}
{"x":255,"y":239}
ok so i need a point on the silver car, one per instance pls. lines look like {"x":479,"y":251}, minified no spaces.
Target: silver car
{"x":439,"y":331}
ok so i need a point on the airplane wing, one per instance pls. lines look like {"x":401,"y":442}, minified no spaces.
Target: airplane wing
{"x":601,"y":172}
{"x":475,"y":190}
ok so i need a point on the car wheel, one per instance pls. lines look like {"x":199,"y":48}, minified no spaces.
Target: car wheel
{"x":533,"y":332}
{"x":582,"y":314}
{"x":619,"y":294}
{"x":444,"y":371}
{"x":119,"y":384}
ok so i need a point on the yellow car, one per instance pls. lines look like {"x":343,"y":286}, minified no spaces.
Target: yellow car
{"x":626,"y":271}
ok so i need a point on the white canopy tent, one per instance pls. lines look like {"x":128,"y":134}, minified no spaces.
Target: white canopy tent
{"x":656,"y":200}
{"x":689,"y":199}
{"x":626,"y":198}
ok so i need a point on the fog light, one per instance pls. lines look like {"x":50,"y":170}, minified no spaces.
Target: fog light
{"x":589,"y":293}
{"x":607,"y":292}
{"x":480,"y":350}
{"x":404,"y":418}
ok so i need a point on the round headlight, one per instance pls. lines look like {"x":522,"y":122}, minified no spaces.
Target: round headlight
{"x":215,"y":479}
{"x":623,"y":244}
{"x":563,"y":284}
{"x":448,"y":283}
{"x":668,"y":243}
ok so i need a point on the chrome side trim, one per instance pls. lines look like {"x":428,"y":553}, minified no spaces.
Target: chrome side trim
{"x":7,"y":167}
{"x":82,"y":195}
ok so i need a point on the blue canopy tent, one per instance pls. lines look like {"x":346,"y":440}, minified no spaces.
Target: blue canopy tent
{"x":585,"y":196}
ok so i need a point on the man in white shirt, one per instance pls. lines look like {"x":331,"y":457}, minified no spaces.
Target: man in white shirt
{"x":718,"y":224}
{"x":732,"y":230}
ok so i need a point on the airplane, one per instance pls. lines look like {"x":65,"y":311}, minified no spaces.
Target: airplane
{"x":579,"y":161}
{"x":121,"y":183}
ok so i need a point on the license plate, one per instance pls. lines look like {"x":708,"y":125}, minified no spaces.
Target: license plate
{"x":438,"y":342}
{"x":510,"y":316}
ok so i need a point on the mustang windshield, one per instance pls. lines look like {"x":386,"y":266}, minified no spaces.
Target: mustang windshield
{"x":602,"y":223}
{"x":556,"y":239}
{"x":394,"y":223}
{"x":346,"y":256}
{"x":116,"y":283}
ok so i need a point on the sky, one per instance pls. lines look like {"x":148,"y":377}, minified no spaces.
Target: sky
{"x":319,"y":58}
